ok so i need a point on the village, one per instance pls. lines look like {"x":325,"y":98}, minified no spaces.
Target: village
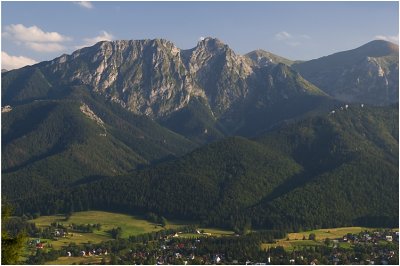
{"x":191,"y":246}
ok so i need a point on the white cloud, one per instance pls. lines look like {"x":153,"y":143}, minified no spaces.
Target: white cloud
{"x":45,"y":47}
{"x":20,"y":33}
{"x":291,"y":39}
{"x":85,"y":4}
{"x":103,"y":36}
{"x":35,"y":38}
{"x":283,"y":35}
{"x":12,"y":62}
{"x":393,"y":38}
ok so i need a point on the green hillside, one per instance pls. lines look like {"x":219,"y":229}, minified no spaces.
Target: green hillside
{"x":51,"y":144}
{"x":195,"y":122}
{"x":330,"y":170}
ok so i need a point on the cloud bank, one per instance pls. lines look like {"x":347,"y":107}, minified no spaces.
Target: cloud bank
{"x":35,"y":38}
{"x":10,"y":62}
{"x":291,"y":39}
{"x":103,"y":36}
{"x":389,"y":38}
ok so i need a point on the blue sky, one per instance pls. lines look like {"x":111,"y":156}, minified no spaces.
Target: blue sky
{"x":37,"y":31}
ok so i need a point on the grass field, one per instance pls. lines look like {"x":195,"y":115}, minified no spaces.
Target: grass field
{"x":208,"y":232}
{"x":77,"y":238}
{"x":295,"y":240}
{"x":131,"y":225}
{"x":291,"y":245}
{"x":331,"y":233}
{"x":217,"y":232}
{"x":76,"y":260}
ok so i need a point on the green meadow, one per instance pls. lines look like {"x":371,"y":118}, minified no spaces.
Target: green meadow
{"x":295,"y":240}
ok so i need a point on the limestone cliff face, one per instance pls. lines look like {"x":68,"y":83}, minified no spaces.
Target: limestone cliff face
{"x":145,"y":76}
{"x":156,"y":78}
{"x":368,"y":74}
{"x":221,"y":73}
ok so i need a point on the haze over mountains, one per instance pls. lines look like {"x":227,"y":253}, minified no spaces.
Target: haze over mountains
{"x":126,"y":125}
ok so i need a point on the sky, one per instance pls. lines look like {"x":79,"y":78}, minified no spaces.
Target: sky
{"x":37,"y":31}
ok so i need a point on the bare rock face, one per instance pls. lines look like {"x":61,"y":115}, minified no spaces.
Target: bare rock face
{"x":146,"y":76}
{"x":155,"y":78}
{"x":368,"y":74}
{"x":263,"y":58}
{"x":220,"y":72}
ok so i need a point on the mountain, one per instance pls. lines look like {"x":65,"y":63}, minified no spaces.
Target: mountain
{"x":336,"y":169}
{"x":367,"y":74}
{"x":159,"y":80}
{"x":264,"y":58}
{"x":49,"y":144}
{"x":3,"y":70}
{"x":203,"y":134}
{"x":145,"y":77}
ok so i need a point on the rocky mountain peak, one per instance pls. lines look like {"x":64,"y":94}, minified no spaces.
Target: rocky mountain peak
{"x":367,"y":74}
{"x":211,"y":44}
{"x":263,"y":58}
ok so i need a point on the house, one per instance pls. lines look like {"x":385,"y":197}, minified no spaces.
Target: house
{"x":69,"y":254}
{"x":291,"y":261}
{"x":217,"y":259}
{"x":389,"y":238}
{"x":39,"y":245}
{"x":82,"y":253}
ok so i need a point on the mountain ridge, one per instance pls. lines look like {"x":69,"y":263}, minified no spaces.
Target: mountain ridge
{"x":367,"y":74}
{"x":157,"y":79}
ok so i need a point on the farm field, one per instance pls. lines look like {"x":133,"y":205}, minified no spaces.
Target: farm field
{"x":295,"y":240}
{"x":130,"y":225}
{"x":321,"y":234}
{"x":75,"y":260}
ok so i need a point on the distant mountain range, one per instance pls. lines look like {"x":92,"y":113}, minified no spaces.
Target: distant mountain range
{"x":253,"y":133}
